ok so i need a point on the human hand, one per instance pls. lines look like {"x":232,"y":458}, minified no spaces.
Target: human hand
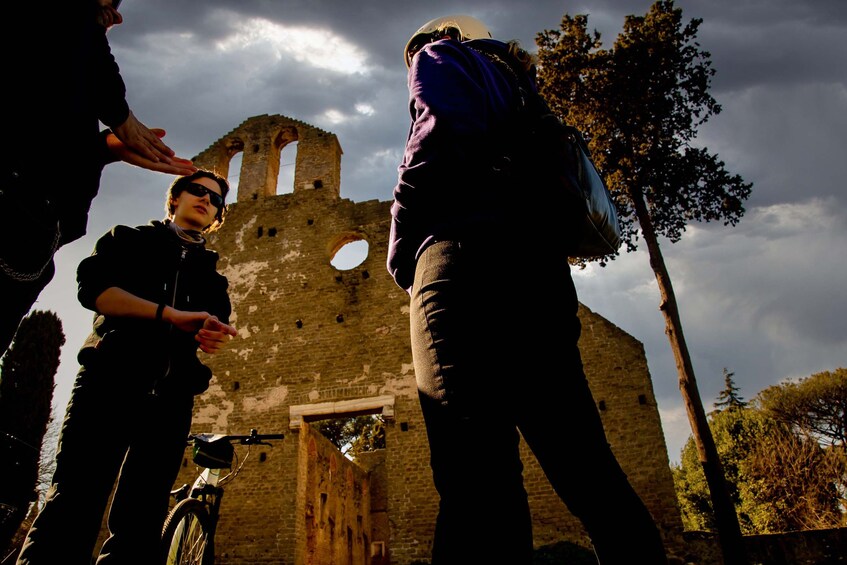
{"x":211,"y":333}
{"x":214,"y":334}
{"x":189,"y":322}
{"x":108,"y":15}
{"x":176,"y":166}
{"x":140,"y":139}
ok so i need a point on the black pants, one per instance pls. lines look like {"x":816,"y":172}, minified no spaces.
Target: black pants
{"x":494,"y":341}
{"x":111,"y":431}
{"x":17,"y":299}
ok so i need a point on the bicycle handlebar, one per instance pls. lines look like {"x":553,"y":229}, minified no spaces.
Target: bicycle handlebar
{"x":253,"y":438}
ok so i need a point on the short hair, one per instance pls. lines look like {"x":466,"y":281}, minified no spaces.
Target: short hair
{"x":180,"y":183}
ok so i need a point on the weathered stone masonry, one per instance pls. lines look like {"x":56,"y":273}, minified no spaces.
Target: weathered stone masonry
{"x":317,"y":342}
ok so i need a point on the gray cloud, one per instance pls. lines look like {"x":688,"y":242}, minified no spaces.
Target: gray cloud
{"x":763,"y":299}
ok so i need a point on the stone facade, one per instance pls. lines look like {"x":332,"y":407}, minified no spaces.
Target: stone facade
{"x":318,"y":342}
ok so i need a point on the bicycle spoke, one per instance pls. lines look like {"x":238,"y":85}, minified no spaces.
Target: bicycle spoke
{"x":186,"y":534}
{"x":189,"y":543}
{"x":194,"y":544}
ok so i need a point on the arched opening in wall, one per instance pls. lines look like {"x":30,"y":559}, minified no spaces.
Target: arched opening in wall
{"x":353,"y":435}
{"x":234,"y":175}
{"x":234,"y":151}
{"x":348,"y":251}
{"x":287,"y":160}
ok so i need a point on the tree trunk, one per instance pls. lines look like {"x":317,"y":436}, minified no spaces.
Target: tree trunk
{"x":729,"y":531}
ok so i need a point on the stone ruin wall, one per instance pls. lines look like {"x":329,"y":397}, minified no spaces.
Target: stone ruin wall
{"x":317,"y":342}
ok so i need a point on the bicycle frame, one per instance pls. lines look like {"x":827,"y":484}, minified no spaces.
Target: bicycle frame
{"x":188,"y":534}
{"x":191,"y":529}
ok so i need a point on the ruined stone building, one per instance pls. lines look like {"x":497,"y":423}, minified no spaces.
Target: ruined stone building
{"x":317,"y":342}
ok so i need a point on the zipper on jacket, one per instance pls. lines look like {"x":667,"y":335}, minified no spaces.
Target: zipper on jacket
{"x":183,"y":253}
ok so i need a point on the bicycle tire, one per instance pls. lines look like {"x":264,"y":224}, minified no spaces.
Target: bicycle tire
{"x":186,"y":535}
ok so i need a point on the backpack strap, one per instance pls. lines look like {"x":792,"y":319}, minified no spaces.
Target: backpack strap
{"x":522,"y":80}
{"x":531,"y":113}
{"x":559,"y":153}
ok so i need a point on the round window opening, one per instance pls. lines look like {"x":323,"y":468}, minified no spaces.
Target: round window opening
{"x":350,"y":255}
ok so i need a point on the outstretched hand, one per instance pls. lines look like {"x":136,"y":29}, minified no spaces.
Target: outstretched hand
{"x":143,"y":141}
{"x":210,"y":332}
{"x":214,"y":334}
{"x":173,"y":166}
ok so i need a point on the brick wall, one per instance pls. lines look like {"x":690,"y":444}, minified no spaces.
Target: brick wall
{"x":315,"y":342}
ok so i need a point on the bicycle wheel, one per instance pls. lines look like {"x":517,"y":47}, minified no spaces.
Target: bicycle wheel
{"x":186,"y":535}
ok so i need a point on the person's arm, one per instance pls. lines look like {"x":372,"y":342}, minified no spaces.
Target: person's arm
{"x":449,"y":116}
{"x":110,"y":100}
{"x":108,"y":89}
{"x":210,"y":332}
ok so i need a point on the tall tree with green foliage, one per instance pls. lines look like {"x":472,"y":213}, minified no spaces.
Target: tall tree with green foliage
{"x":640,"y":104}
{"x":27,"y":377}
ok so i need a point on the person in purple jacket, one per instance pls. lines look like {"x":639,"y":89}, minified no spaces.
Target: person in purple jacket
{"x":493,"y":316}
{"x":53,"y":153}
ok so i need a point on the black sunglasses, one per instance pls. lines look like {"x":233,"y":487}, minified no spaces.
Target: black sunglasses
{"x":200,"y":191}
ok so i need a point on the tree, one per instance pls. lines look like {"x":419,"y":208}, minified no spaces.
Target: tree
{"x":733,"y":432}
{"x":728,"y":398}
{"x":640,"y":104}
{"x":369,"y":437}
{"x":793,"y":483}
{"x":815,"y":409}
{"x":816,"y":404}
{"x":27,"y":376}
{"x":779,"y":478}
{"x":354,"y":435}
{"x":47,"y":459}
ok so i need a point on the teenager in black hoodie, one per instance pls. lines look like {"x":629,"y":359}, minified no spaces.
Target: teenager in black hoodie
{"x":157,"y":298}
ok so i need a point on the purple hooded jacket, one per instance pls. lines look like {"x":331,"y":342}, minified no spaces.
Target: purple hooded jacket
{"x":461,"y":104}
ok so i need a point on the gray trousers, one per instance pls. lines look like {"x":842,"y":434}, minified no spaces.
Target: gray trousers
{"x":494,"y":332}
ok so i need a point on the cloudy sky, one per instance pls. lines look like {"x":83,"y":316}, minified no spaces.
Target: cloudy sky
{"x":765,"y":299}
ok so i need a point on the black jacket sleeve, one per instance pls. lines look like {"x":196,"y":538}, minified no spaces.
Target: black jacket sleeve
{"x":109,"y":89}
{"x":102,"y":269}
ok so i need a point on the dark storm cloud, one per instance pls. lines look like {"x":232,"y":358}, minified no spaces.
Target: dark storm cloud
{"x":763,"y":299}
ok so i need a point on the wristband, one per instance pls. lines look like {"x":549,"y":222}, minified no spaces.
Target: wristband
{"x":159,"y":311}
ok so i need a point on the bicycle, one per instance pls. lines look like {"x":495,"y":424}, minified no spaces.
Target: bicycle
{"x":188,"y":534}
